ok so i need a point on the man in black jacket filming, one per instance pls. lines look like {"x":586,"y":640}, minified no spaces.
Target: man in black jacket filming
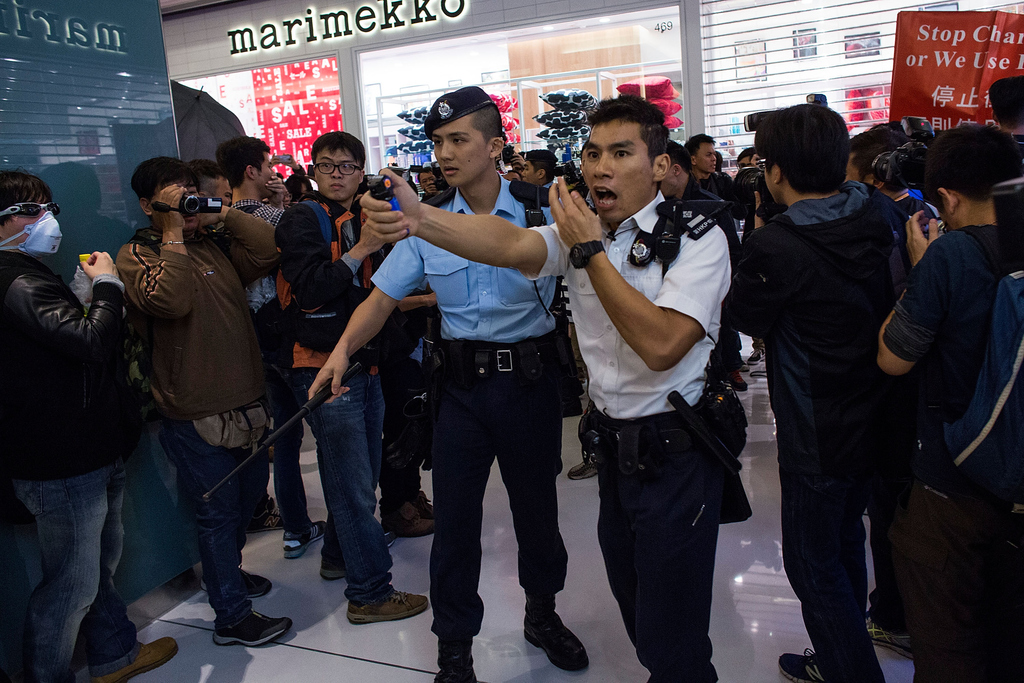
{"x":815,"y":283}
{"x":58,"y":370}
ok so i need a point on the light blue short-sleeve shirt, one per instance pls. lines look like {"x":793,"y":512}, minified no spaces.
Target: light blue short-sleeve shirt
{"x":477,"y":302}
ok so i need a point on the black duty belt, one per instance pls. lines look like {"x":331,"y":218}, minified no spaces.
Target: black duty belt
{"x":471,"y":361}
{"x":638,"y":445}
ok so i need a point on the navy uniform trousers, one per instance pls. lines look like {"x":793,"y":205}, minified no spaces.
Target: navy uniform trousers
{"x":520,"y":423}
{"x":658,"y":539}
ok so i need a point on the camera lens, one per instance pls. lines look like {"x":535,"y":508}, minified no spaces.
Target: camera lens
{"x":189,"y":204}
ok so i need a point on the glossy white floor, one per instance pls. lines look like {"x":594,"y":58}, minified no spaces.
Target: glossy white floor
{"x":755,"y":615}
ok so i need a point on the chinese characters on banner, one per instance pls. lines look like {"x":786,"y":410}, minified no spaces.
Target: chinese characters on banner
{"x":286,"y":106}
{"x":295,"y":104}
{"x":945,"y":63}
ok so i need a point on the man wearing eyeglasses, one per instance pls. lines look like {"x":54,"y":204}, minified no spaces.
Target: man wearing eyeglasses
{"x":58,"y":369}
{"x":326,"y":264}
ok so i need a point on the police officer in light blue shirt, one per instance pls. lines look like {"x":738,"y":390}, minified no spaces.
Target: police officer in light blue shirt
{"x":500,"y":396}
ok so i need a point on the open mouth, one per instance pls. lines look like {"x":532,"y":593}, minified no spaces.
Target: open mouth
{"x":604,"y":199}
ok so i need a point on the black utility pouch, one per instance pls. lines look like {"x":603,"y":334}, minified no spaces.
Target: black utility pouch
{"x":482,"y":363}
{"x":528,"y":364}
{"x":459,"y":365}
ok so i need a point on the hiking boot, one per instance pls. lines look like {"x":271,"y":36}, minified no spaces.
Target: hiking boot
{"x":897,"y":641}
{"x":255,"y":586}
{"x":406,"y":522}
{"x":756,"y":357}
{"x":330,"y":571}
{"x":255,"y":629}
{"x":736,"y":380}
{"x":544,"y":629}
{"x":423,"y":506}
{"x":455,"y":660}
{"x":151,"y":655}
{"x":801,"y":668}
{"x":295,"y":544}
{"x":585,"y":470}
{"x":266,"y":517}
{"x":398,"y":605}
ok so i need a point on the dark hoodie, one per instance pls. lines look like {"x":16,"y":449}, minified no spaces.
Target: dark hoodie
{"x":815,"y":284}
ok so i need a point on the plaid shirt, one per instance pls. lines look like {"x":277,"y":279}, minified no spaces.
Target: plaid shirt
{"x":266,"y":212}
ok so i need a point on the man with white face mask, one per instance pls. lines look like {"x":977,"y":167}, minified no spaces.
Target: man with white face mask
{"x":58,"y":368}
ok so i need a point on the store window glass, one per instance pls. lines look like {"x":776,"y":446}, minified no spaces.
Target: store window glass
{"x":287,"y":106}
{"x":543,"y":80}
{"x":762,"y":55}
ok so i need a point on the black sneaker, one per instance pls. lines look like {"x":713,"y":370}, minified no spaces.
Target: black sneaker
{"x":255,"y":629}
{"x":295,"y":544}
{"x":266,"y":517}
{"x":255,"y":586}
{"x":801,"y":668}
{"x":756,"y":357}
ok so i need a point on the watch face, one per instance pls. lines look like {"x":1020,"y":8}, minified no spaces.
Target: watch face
{"x":576,"y":256}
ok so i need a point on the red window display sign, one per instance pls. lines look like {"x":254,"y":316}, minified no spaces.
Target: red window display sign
{"x":945,"y":62}
{"x":296,"y":103}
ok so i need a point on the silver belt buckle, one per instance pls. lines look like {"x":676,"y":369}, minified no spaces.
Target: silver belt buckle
{"x":504,"y":357}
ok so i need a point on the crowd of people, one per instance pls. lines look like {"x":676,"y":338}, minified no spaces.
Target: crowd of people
{"x":874,"y":316}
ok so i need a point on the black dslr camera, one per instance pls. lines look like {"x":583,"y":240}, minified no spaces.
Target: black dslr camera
{"x":191,"y":205}
{"x":904,"y":166}
{"x":573,"y":176}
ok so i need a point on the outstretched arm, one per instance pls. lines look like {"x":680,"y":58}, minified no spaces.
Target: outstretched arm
{"x":484,"y":239}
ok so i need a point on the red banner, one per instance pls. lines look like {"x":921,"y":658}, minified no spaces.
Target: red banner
{"x":945,"y":63}
{"x":296,"y":103}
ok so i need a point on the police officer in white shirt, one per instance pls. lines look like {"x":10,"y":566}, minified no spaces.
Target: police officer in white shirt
{"x":646,"y":328}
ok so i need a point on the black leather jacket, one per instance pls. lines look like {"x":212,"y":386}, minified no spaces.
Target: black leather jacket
{"x":60,"y":411}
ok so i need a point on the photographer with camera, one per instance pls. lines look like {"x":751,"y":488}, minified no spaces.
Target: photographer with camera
{"x":185,"y":288}
{"x":957,"y":546}
{"x":813,"y":283}
{"x":63,"y":440}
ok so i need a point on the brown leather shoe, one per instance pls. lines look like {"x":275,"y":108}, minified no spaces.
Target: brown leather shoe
{"x":399,"y":605}
{"x":422,"y":504}
{"x":151,"y":655}
{"x":407,"y":522}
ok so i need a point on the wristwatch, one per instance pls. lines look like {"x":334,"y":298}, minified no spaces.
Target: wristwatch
{"x":579,"y":255}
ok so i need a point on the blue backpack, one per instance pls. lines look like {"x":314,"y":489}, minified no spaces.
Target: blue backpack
{"x":987,"y":442}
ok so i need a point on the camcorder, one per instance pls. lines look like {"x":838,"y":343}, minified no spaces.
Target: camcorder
{"x":751,"y":179}
{"x":573,"y":176}
{"x":190,"y":205}
{"x":1008,"y":198}
{"x":904,"y":166}
{"x":434,"y":168}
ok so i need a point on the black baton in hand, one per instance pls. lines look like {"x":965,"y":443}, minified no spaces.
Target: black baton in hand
{"x":305,"y":410}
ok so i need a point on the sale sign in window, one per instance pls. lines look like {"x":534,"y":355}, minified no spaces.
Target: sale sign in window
{"x":287,"y":106}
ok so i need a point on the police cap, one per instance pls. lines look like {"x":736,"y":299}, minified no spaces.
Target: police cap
{"x":455,"y":105}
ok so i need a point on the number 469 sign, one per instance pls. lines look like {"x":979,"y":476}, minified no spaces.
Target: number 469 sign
{"x":663,"y":26}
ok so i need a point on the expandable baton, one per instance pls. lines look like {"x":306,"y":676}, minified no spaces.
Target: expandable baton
{"x":311,"y":405}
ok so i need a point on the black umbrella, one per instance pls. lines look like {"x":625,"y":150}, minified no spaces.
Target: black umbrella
{"x":203,"y":123}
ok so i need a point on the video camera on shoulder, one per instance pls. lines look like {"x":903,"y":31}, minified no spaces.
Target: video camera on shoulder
{"x":904,"y":166}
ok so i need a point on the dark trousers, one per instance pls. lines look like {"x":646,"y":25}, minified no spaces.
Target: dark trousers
{"x":520,"y":424}
{"x":823,"y":551}
{"x":288,"y":486}
{"x":398,"y":382}
{"x":886,"y":605}
{"x":658,"y":540}
{"x":960,"y":564}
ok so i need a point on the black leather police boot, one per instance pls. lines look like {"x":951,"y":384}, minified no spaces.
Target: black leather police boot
{"x":543,"y":628}
{"x":455,"y":659}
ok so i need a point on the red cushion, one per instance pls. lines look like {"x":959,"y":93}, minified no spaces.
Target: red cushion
{"x":667,"y":107}
{"x":651,"y":87}
{"x":672,"y":122}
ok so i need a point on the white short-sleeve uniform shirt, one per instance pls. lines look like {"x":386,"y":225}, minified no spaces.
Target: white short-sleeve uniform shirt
{"x":696,"y":283}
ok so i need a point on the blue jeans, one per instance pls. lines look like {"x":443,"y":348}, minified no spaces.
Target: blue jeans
{"x":348,"y":449}
{"x":80,"y":537}
{"x":288,"y":487}
{"x":823,"y":551}
{"x":221,"y":521}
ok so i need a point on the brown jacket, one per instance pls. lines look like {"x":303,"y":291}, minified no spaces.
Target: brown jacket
{"x":206,"y":359}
